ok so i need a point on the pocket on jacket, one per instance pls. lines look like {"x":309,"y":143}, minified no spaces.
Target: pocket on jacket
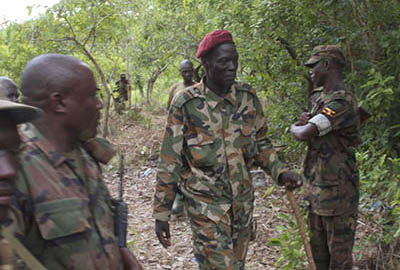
{"x":60,"y":218}
{"x":203,"y":154}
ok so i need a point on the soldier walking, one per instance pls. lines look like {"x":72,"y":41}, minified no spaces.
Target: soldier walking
{"x":215,"y":133}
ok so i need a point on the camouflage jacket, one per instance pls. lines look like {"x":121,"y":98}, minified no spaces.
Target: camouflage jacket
{"x":330,"y":170}
{"x":210,"y":144}
{"x":63,"y":211}
{"x":174,"y":89}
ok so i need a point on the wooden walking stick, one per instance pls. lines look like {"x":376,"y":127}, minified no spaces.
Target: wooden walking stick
{"x":307,"y":247}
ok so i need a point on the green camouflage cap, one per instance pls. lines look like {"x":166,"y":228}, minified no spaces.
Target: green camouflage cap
{"x":18,"y":112}
{"x":326,"y":52}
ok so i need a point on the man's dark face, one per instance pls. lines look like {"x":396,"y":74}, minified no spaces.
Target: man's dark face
{"x":9,"y":145}
{"x":84,"y":105}
{"x":221,"y":65}
{"x":187,"y":72}
{"x":319,"y":73}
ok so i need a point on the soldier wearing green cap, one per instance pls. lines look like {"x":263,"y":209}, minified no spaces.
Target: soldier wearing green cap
{"x":11,"y":114}
{"x":62,"y":211}
{"x":331,"y":130}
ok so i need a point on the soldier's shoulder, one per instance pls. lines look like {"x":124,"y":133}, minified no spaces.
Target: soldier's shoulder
{"x":242,"y":86}
{"x":189,"y":93}
{"x":342,"y":94}
{"x":176,"y":85}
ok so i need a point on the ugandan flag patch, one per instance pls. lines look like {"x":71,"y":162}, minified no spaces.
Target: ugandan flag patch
{"x":328,"y":112}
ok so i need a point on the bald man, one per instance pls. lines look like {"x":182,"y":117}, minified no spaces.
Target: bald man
{"x":187,"y":71}
{"x":63,"y":212}
{"x":8,"y":89}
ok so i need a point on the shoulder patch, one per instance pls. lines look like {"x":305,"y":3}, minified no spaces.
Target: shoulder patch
{"x":328,"y":112}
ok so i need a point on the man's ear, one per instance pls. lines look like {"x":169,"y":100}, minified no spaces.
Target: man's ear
{"x":57,"y":102}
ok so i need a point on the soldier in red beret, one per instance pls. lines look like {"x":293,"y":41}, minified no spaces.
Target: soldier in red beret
{"x":215,"y":133}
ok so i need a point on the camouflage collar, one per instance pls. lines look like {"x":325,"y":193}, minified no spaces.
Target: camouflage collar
{"x":213,"y":99}
{"x":30,"y":134}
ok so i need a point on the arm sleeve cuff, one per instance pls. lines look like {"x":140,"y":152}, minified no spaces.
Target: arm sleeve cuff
{"x":322,"y":123}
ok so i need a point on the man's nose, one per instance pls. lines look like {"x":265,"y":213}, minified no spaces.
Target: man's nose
{"x":8,"y":167}
{"x":231,"y":65}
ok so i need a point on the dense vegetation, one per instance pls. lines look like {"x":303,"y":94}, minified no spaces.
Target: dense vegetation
{"x":148,"y":39}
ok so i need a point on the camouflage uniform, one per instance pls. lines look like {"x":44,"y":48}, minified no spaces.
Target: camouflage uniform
{"x":210,"y":144}
{"x":178,"y":206}
{"x":332,"y":181}
{"x":174,"y":89}
{"x":63,"y":211}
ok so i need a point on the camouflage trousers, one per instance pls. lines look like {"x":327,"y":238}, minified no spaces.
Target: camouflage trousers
{"x":332,"y":240}
{"x":219,"y":246}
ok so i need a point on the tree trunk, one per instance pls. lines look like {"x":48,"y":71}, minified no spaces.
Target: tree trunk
{"x":128,"y":73}
{"x":105,"y":86}
{"x":152,"y":80}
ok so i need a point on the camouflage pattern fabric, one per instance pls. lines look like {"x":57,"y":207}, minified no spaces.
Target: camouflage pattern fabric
{"x":209,"y":146}
{"x":330,"y":170}
{"x":322,"y":52}
{"x":174,"y":89}
{"x":332,"y":241}
{"x":222,"y":245}
{"x":63,"y":211}
{"x":332,"y":181}
{"x":100,"y":149}
{"x":178,"y":206}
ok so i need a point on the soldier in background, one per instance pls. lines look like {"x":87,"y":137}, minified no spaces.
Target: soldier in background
{"x":215,"y":133}
{"x":122,"y":90}
{"x":58,"y":178}
{"x":332,"y":132}
{"x":186,"y":70}
{"x":8,"y":89}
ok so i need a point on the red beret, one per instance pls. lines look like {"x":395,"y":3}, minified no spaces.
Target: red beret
{"x":212,"y":40}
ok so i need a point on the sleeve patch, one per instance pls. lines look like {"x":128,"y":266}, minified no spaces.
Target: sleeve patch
{"x":322,"y":123}
{"x":328,"y":112}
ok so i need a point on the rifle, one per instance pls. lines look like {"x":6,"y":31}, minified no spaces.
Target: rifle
{"x":121,"y":210}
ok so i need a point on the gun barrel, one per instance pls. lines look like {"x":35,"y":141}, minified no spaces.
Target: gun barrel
{"x":121,"y":176}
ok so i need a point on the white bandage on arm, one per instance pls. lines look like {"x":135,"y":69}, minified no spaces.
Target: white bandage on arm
{"x":322,"y":123}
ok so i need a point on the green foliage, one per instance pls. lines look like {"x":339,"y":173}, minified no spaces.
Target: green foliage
{"x":290,"y":243}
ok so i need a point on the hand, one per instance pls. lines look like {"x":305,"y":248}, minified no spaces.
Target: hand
{"x":290,"y":180}
{"x":162,"y":232}
{"x":129,"y":260}
{"x":304,"y":117}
